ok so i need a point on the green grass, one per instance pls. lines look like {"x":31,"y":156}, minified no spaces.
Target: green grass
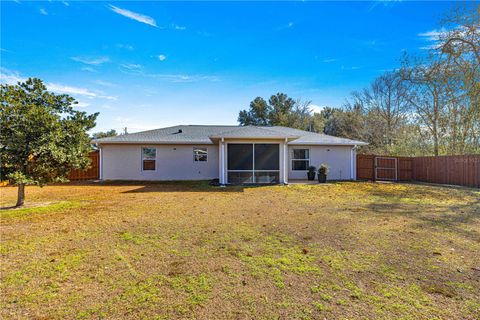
{"x":191,"y":251}
{"x":49,"y":208}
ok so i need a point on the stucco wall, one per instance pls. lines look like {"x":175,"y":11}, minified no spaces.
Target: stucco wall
{"x":338,"y":158}
{"x":173,"y":162}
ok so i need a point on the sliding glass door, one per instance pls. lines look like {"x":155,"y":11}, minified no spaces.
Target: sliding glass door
{"x":253,"y":163}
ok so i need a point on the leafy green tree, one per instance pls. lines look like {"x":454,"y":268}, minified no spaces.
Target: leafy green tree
{"x":257,"y":115}
{"x":281,"y":110}
{"x":109,"y":133}
{"x":41,"y":136}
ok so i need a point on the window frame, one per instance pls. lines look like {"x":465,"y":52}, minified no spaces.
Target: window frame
{"x":298,"y":159}
{"x":143,"y":158}
{"x":195,"y":155}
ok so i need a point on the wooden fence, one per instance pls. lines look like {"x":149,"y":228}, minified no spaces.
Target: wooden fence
{"x":92,"y":173}
{"x":456,"y":170}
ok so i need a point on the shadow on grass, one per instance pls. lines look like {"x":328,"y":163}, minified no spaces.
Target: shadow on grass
{"x":177,"y":186}
{"x":453,"y":217}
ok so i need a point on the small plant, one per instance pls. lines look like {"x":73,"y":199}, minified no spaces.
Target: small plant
{"x":311,"y":172}
{"x":323,"y":169}
{"x":322,"y":173}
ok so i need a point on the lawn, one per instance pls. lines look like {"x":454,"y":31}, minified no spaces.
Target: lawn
{"x":191,"y":251}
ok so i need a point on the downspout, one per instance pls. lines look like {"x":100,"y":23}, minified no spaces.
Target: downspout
{"x":285,"y":162}
{"x":100,"y":162}
{"x":222,"y":162}
{"x":353,"y":162}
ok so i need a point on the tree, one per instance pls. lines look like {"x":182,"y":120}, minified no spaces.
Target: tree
{"x":428,"y":96}
{"x":281,"y":110}
{"x":387,"y":102}
{"x":459,"y":47}
{"x":109,"y":133}
{"x":257,"y":115}
{"x":41,"y":136}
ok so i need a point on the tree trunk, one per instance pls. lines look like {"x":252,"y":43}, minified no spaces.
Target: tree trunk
{"x":21,"y":195}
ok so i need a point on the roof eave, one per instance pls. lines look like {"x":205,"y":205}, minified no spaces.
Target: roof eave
{"x":307,"y":143}
{"x":154,"y":142}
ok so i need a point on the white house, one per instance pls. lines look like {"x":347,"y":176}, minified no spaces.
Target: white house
{"x":233,"y":154}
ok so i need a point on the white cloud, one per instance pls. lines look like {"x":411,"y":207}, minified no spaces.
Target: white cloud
{"x":82,"y":105}
{"x":44,"y":12}
{"x":91,"y":61}
{"x":329,"y":60}
{"x":88,"y":69}
{"x":125,"y":46}
{"x":60,"y":88}
{"x":178,"y":27}
{"x":430,"y":47}
{"x":12,"y":77}
{"x":433,"y":35}
{"x":162,"y":57}
{"x":131,"y":66}
{"x":134,"y":16}
{"x":385,"y":3}
{"x":290,"y":24}
{"x":105,"y":83}
{"x":66,"y":3}
{"x":350,"y":68}
{"x":315,"y":108}
{"x":137,"y":69}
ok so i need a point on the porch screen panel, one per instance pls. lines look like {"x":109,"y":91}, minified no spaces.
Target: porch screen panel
{"x":240,"y":156}
{"x":267,"y":157}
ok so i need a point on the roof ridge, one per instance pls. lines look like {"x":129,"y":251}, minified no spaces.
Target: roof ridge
{"x":151,"y":130}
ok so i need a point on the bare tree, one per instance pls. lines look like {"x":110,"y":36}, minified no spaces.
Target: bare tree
{"x":427,"y":95}
{"x":386,"y":100}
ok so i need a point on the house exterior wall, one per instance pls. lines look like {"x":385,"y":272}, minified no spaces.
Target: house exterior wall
{"x":338,"y":158}
{"x":173,"y":162}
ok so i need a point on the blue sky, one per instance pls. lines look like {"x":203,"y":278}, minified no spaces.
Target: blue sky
{"x":146,"y":65}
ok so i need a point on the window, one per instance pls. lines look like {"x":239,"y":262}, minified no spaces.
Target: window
{"x":200,"y":154}
{"x":253,"y":163}
{"x":148,"y":158}
{"x":300,"y":159}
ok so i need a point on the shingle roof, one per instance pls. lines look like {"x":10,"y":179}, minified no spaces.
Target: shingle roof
{"x":203,"y":134}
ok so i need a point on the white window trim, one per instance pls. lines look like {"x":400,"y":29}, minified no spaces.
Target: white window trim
{"x":294,"y":159}
{"x":194,"y":160}
{"x":141,"y":158}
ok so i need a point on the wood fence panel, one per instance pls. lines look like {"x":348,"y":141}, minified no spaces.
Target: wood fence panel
{"x":365,"y":167}
{"x":92,"y":173}
{"x":456,"y":170}
{"x":405,"y":168}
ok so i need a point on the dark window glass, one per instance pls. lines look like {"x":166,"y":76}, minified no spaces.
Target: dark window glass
{"x":240,"y":177}
{"x":267,"y":157}
{"x":267,"y":177}
{"x":300,"y":154}
{"x":240,"y":156}
{"x":200,"y":154}
{"x":148,"y":157}
{"x":299,"y":164}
